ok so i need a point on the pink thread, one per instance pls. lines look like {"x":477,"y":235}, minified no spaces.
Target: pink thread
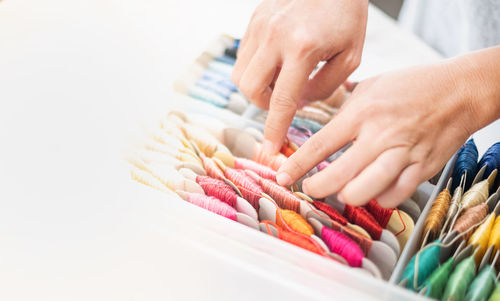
{"x":218,"y":189}
{"x":273,"y":161}
{"x":283,"y":197}
{"x":340,"y":244}
{"x":212,"y":204}
{"x":322,"y":165}
{"x":262,"y":170}
{"x":250,"y":190}
{"x":211,"y":167}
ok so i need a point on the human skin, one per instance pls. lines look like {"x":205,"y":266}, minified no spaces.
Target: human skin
{"x":284,"y":42}
{"x":404,"y":126}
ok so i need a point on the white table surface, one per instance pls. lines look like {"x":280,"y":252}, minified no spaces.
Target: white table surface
{"x":77,"y":80}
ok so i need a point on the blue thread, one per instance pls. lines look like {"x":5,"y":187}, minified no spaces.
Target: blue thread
{"x":491,"y":159}
{"x":466,"y":161}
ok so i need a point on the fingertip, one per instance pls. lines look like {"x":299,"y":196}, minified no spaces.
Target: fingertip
{"x":305,"y":187}
{"x":270,"y":147}
{"x":283,"y":179}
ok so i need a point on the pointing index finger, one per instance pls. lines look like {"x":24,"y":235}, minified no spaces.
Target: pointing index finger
{"x":284,"y":99}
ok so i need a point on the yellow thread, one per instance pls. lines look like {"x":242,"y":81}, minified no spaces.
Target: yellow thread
{"x":146,"y":178}
{"x":294,"y":221}
{"x":494,"y":239}
{"x":480,"y":237}
{"x":437,"y":214}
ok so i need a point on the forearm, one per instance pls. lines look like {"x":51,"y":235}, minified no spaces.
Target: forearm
{"x":477,"y":81}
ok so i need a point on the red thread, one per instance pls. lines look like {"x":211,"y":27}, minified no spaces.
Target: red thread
{"x":296,"y":239}
{"x":212,"y":204}
{"x":211,"y":167}
{"x":262,"y":170}
{"x":381,"y":214}
{"x":250,"y":190}
{"x":218,"y":189}
{"x":331,"y":212}
{"x":340,"y":244}
{"x":363,"y":218}
{"x":283,"y":197}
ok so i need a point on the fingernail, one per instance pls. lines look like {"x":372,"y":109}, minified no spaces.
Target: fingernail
{"x":340,"y":198}
{"x":283,"y":179}
{"x":304,"y":187}
{"x":268,"y":147}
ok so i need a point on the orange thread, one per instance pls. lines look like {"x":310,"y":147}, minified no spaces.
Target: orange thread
{"x":296,"y":239}
{"x":294,"y":220}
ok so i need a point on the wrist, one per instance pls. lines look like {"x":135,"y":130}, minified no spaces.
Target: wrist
{"x":475,"y":86}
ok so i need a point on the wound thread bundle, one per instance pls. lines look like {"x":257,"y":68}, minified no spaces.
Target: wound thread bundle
{"x":218,"y":189}
{"x":381,"y":214}
{"x":435,"y":219}
{"x":262,"y":170}
{"x":212,"y":204}
{"x":340,"y":244}
{"x":361,"y":217}
{"x":466,"y":163}
{"x":287,"y":218}
{"x":250,"y":190}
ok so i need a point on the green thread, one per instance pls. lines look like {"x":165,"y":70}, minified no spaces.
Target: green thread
{"x":482,"y":285}
{"x":428,"y":262}
{"x":437,"y":280}
{"x":495,"y":296}
{"x":460,"y":279}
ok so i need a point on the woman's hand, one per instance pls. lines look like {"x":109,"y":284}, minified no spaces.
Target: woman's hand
{"x":283,"y":43}
{"x":403,"y":126}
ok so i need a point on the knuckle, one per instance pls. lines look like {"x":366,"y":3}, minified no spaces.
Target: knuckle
{"x":353,"y":61}
{"x":275,"y":24}
{"x":317,"y":146}
{"x":303,"y":42}
{"x":282,"y":102}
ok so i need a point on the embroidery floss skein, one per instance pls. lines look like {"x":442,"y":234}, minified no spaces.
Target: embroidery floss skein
{"x":491,"y":159}
{"x":296,"y":239}
{"x":481,"y":235}
{"x":282,"y":196}
{"x":466,"y":163}
{"x":361,"y":217}
{"x":437,"y":214}
{"x":436,"y":282}
{"x":211,"y":204}
{"x":262,"y":170}
{"x":460,"y":279}
{"x":340,"y":244}
{"x":381,"y":214}
{"x":211,"y":168}
{"x":294,"y":220}
{"x":250,"y":190}
{"x":428,"y":262}
{"x":218,"y":189}
{"x":482,"y":285}
{"x":469,"y":218}
{"x":494,"y":239}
